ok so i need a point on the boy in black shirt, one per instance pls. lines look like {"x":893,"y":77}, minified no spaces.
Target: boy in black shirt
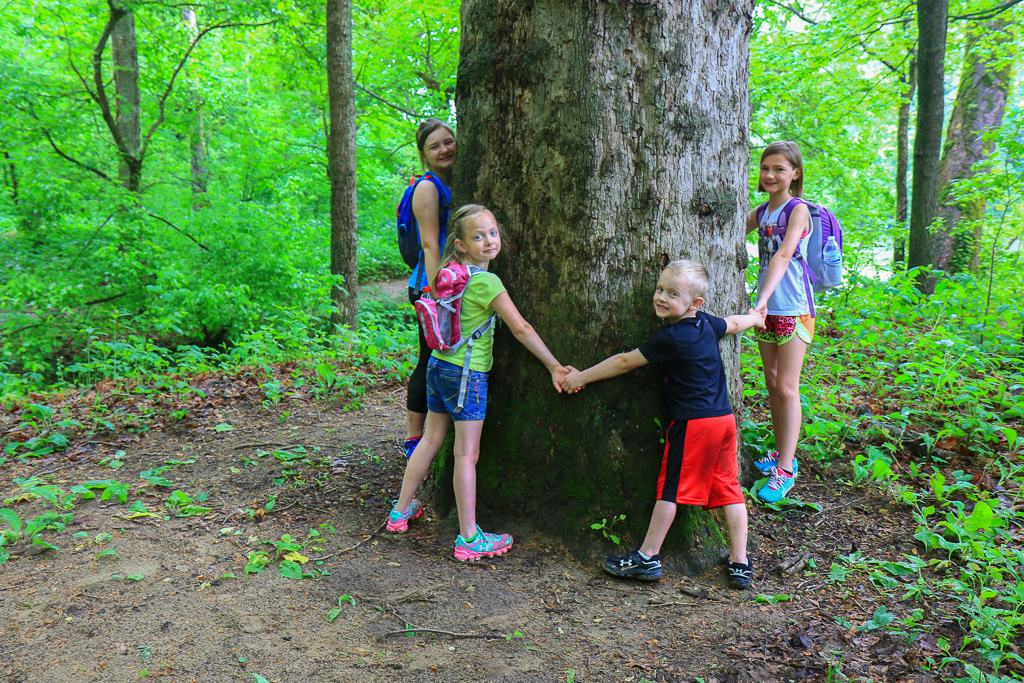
{"x":699,"y":463}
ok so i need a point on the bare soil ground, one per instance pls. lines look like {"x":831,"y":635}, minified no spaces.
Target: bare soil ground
{"x":175,"y":601}
{"x":166,"y":607}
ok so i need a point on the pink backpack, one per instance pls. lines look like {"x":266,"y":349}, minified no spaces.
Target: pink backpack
{"x":438,"y":313}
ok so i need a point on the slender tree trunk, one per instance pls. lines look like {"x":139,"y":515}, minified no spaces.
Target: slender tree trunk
{"x":909,"y":82}
{"x":125,"y":52}
{"x":341,"y":160}
{"x":607,"y":138}
{"x":985,"y":81}
{"x":11,"y":177}
{"x":196,"y":137}
{"x":932,"y":18}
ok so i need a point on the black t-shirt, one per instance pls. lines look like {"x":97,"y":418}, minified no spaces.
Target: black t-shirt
{"x":695,"y":375}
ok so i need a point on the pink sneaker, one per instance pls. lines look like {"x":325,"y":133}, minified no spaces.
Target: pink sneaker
{"x":399,"y":521}
{"x":483,"y":545}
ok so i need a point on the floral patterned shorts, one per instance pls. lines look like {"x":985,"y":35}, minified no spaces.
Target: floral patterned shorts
{"x":779,"y":329}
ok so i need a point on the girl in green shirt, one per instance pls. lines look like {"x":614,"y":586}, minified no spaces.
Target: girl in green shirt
{"x":473,"y":238}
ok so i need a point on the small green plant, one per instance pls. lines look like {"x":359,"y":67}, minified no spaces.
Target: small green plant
{"x":880,"y":619}
{"x":258,"y":561}
{"x":604,"y":526}
{"x":30,"y":530}
{"x":181,"y":505}
{"x":766,"y":599}
{"x":342,"y":599}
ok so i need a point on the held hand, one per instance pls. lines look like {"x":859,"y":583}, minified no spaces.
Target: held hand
{"x":760,"y":318}
{"x":572,"y":383}
{"x":558,"y":376}
{"x":761,"y":308}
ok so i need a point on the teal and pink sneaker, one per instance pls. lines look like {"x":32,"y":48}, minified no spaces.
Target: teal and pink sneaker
{"x":482,"y":545}
{"x":769,"y":461}
{"x":779,"y":484}
{"x":399,"y":521}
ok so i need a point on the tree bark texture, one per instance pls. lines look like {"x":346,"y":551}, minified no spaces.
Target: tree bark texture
{"x":932,"y":20}
{"x":607,"y":138}
{"x":909,"y":83}
{"x":985,"y":81}
{"x":341,"y":160}
{"x":125,"y":53}
{"x":196,"y":136}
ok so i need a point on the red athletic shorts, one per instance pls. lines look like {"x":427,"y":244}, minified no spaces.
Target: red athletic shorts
{"x":699,"y":464}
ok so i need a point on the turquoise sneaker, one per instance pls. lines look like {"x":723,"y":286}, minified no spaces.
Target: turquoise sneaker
{"x":769,"y":461}
{"x":399,"y":521}
{"x":483,"y":545}
{"x":779,"y":484}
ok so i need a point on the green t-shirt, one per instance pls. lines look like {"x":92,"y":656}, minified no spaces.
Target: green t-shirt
{"x":476,"y":309}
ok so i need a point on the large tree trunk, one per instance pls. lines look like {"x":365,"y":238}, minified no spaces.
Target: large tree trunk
{"x":196,"y":137}
{"x":909,"y":83}
{"x":125,"y":52}
{"x":607,"y":138}
{"x":980,"y":102}
{"x":341,"y":160}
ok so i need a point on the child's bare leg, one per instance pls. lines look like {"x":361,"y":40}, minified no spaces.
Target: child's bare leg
{"x":414,"y":424}
{"x":419,"y":464}
{"x":661,"y":521}
{"x":786,"y":411}
{"x":736,"y":522}
{"x":467,"y":452}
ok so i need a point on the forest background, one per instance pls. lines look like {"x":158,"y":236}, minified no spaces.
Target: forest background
{"x":205,"y":243}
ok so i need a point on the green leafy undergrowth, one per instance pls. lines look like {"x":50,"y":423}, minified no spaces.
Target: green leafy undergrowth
{"x":29,"y":530}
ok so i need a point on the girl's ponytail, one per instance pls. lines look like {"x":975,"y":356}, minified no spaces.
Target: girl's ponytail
{"x":456,"y":230}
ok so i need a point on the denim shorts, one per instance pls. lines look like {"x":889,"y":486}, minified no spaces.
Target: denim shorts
{"x":443,"y":380}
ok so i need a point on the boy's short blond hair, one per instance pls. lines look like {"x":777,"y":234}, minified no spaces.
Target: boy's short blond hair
{"x":694,"y":275}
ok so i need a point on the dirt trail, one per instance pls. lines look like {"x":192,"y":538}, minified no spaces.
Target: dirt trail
{"x":173,"y":599}
{"x":164,"y":607}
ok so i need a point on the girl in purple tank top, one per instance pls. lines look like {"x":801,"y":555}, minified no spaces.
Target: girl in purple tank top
{"x":785,"y":300}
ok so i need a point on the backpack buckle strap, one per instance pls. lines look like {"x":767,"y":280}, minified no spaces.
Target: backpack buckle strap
{"x":477,"y":333}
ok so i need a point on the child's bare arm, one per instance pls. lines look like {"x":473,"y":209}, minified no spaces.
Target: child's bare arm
{"x":619,"y":364}
{"x":739,"y":323}
{"x":528,"y":337}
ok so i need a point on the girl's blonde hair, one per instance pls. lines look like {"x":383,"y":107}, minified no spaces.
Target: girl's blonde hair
{"x":424,"y":130}
{"x":791,"y":151}
{"x":458,"y":223}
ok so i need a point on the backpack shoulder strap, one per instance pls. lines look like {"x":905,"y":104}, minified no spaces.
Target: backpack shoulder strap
{"x":759,"y":213}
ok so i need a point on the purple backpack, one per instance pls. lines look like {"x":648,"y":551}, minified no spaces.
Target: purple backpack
{"x":438,"y":313}
{"x":823,"y":264}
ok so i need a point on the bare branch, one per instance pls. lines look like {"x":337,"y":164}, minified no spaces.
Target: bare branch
{"x":396,"y":107}
{"x":987,"y":14}
{"x":174,"y":75}
{"x":104,"y":299}
{"x":73,"y":160}
{"x":792,"y":10}
{"x":172,"y":226}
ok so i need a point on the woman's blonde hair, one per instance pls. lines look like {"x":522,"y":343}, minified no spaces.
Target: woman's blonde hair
{"x":791,"y":151}
{"x":457,"y":225}
{"x":427,"y":127}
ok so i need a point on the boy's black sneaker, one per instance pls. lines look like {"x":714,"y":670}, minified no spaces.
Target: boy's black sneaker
{"x":741,"y":574}
{"x":633,"y":566}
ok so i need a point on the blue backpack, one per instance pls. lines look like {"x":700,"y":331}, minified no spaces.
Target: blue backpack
{"x":408,"y":231}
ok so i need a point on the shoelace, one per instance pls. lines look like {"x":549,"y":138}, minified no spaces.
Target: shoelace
{"x":775,"y":483}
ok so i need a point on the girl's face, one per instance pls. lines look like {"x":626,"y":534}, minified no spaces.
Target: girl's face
{"x":439,"y":150}
{"x":482,"y":240}
{"x":777,"y":174}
